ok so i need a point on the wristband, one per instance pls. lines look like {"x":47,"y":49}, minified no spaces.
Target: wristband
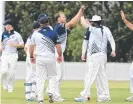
{"x":31,"y":57}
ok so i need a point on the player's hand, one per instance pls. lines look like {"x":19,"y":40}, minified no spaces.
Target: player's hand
{"x":34,"y":56}
{"x":122,"y":15}
{"x":83,"y":58}
{"x":83,"y":7}
{"x":113,"y":54}
{"x":59,"y":59}
{"x":33,"y":60}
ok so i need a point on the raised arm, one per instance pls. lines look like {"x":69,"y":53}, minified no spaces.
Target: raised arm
{"x":75,"y":19}
{"x":85,"y":23}
{"x":128,"y":24}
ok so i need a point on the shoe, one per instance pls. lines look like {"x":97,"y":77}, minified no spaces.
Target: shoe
{"x":59,"y":99}
{"x":51,"y":99}
{"x":81,"y":99}
{"x":40,"y":102}
{"x":130,"y":99}
{"x":5,"y":87}
{"x":104,"y":100}
{"x":10,"y":90}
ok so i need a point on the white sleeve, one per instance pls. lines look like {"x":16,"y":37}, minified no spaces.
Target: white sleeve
{"x":110,"y":39}
{"x":84,"y":47}
{"x":20,"y":40}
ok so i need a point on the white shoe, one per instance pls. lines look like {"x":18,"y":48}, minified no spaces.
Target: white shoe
{"x":10,"y":90}
{"x":130,"y":99}
{"x":81,"y":99}
{"x":5,"y":87}
{"x":105,"y":99}
{"x":59,"y":99}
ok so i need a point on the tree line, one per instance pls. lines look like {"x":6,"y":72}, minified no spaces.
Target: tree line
{"x":24,"y":13}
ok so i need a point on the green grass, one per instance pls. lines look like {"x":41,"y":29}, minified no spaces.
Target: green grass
{"x":70,"y":89}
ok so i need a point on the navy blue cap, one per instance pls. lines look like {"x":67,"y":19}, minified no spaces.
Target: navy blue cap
{"x":36,"y":25}
{"x":8,"y":22}
{"x":42,"y":15}
{"x":43,"y":20}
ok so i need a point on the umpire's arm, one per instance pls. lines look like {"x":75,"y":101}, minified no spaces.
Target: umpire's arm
{"x":85,"y":23}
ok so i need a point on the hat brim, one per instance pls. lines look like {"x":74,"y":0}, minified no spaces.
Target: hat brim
{"x":94,"y":20}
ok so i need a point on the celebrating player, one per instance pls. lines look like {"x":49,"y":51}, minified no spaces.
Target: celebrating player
{"x":96,"y":47}
{"x":61,"y":28}
{"x":44,"y":41}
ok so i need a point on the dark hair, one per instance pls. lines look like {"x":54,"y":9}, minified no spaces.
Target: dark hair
{"x":35,"y":25}
{"x":98,"y":22}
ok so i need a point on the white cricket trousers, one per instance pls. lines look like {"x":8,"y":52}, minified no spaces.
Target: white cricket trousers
{"x":96,"y":65}
{"x":8,"y":69}
{"x":59,"y":77}
{"x":30,"y":84}
{"x":45,"y":68}
{"x":131,"y":78}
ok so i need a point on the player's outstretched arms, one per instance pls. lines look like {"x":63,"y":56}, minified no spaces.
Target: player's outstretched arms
{"x":59,"y":51}
{"x":16,"y":45}
{"x":76,"y":19}
{"x":128,"y":24}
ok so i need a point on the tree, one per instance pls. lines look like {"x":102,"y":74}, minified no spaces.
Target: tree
{"x":26,"y":12}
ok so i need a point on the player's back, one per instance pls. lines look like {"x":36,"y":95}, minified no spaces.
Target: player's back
{"x":45,"y":40}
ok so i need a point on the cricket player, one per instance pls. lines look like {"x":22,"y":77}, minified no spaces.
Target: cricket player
{"x":10,"y":41}
{"x":45,"y":40}
{"x":130,"y":26}
{"x":96,"y":47}
{"x":61,"y":28}
{"x":30,"y":84}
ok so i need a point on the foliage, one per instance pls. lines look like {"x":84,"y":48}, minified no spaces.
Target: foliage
{"x":25,"y":13}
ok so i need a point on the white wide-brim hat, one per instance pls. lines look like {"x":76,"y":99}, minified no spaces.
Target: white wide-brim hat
{"x":96,"y":18}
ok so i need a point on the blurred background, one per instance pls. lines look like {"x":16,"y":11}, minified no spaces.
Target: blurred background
{"x":24,"y":13}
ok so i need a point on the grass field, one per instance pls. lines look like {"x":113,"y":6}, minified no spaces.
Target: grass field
{"x":69,"y":89}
